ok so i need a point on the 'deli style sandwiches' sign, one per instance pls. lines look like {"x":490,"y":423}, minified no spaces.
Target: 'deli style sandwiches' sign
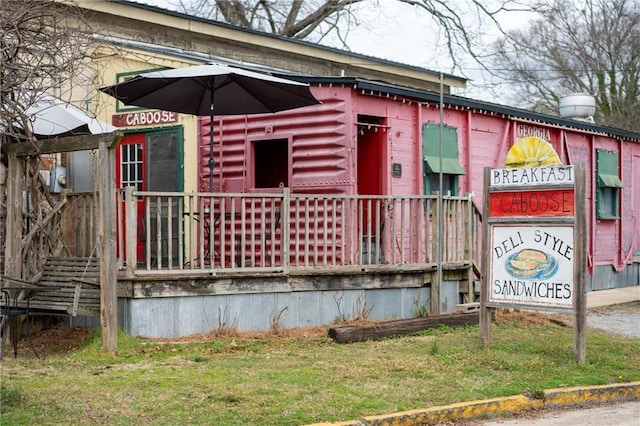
{"x":532,"y":265}
{"x":531,"y":205}
{"x":534,"y":237}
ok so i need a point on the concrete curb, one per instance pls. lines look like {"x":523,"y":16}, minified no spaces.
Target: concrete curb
{"x":552,"y":398}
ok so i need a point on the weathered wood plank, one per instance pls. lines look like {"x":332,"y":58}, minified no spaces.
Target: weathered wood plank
{"x":354,"y":333}
{"x":66,"y":144}
{"x":74,"y":287}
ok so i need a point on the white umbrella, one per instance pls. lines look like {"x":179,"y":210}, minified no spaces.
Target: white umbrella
{"x":212,"y":89}
{"x":51,"y":117}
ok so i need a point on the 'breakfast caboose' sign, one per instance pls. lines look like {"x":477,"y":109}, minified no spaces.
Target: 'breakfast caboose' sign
{"x":534,"y":237}
{"x":530,"y":210}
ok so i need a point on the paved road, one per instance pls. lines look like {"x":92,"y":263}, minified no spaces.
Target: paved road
{"x":616,"y":414}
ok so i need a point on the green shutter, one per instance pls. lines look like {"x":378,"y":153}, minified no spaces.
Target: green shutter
{"x":431,"y":149}
{"x":608,"y":184}
{"x":607,"y":169}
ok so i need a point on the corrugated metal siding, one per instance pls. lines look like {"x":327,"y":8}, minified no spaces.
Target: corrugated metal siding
{"x":256,"y":312}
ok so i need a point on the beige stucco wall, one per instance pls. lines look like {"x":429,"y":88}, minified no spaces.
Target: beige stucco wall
{"x":109,"y":62}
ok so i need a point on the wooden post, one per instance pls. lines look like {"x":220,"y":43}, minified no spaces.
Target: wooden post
{"x":131,"y":235}
{"x":579,"y":266}
{"x":15,"y":205}
{"x":285,"y":229}
{"x":485,"y":313}
{"x":107,"y":243}
{"x":435,"y":277}
{"x":469,"y":254}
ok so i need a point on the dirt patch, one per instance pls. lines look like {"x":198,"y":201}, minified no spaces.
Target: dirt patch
{"x":61,"y":338}
{"x":630,"y":307}
{"x":50,"y":339}
{"x":528,"y":317}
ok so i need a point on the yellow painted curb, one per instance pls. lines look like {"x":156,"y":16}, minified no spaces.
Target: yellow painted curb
{"x":481,"y":408}
{"x":461,"y":410}
{"x":582,"y":394}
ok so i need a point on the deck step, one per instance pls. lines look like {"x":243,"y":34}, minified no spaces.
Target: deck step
{"x":467,"y":307}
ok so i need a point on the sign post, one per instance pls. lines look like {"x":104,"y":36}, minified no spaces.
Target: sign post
{"x":535,"y":244}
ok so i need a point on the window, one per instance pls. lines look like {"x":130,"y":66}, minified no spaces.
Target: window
{"x":271,"y":163}
{"x":451,"y":168}
{"x":449,"y":184}
{"x":608,"y":184}
{"x":131,"y":165}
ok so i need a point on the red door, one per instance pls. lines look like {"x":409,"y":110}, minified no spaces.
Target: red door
{"x":130,"y":171}
{"x":370,"y":172}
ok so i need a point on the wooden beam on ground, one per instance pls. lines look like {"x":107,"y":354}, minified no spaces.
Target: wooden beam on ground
{"x":354,"y":333}
{"x":66,"y":144}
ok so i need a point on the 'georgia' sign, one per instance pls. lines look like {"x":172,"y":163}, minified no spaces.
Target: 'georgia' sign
{"x":532,"y":265}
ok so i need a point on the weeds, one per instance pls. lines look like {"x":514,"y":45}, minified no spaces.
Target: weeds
{"x":275,"y":322}
{"x":360,"y":312}
{"x":224,"y":329}
{"x":419,"y":310}
{"x":435,"y":349}
{"x":11,"y":397}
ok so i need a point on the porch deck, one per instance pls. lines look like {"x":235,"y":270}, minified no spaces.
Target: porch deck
{"x":246,"y":257}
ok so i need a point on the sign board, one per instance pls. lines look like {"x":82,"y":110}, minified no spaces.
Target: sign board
{"x":548,"y":203}
{"x":534,"y":245}
{"x":531,"y":261}
{"x":532,"y":265}
{"x":548,"y":175}
{"x":144,"y":118}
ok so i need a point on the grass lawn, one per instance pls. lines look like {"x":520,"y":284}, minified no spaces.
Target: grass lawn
{"x":279,"y":380}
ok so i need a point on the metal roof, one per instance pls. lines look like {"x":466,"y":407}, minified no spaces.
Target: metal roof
{"x":376,"y":87}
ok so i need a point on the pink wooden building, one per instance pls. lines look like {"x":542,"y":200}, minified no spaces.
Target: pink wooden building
{"x":377,"y":139}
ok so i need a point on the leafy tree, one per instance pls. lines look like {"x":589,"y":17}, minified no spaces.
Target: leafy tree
{"x":590,"y":46}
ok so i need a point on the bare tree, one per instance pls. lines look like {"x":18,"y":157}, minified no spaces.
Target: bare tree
{"x":460,"y":25}
{"x":42,"y":48}
{"x":590,"y":46}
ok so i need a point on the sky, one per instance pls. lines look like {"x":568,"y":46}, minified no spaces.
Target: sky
{"x":404,"y":34}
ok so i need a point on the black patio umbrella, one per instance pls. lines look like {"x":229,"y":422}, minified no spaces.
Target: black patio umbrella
{"x":212,"y":89}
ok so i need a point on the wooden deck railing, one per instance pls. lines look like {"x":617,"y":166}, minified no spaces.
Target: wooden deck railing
{"x":65,"y":226}
{"x":170,"y":232}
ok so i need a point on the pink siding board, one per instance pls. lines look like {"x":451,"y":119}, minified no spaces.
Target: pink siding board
{"x":403,"y":151}
{"x":324,"y":143}
{"x":319,"y":135}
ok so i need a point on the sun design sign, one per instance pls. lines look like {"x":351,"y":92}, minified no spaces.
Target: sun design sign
{"x":533,"y":258}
